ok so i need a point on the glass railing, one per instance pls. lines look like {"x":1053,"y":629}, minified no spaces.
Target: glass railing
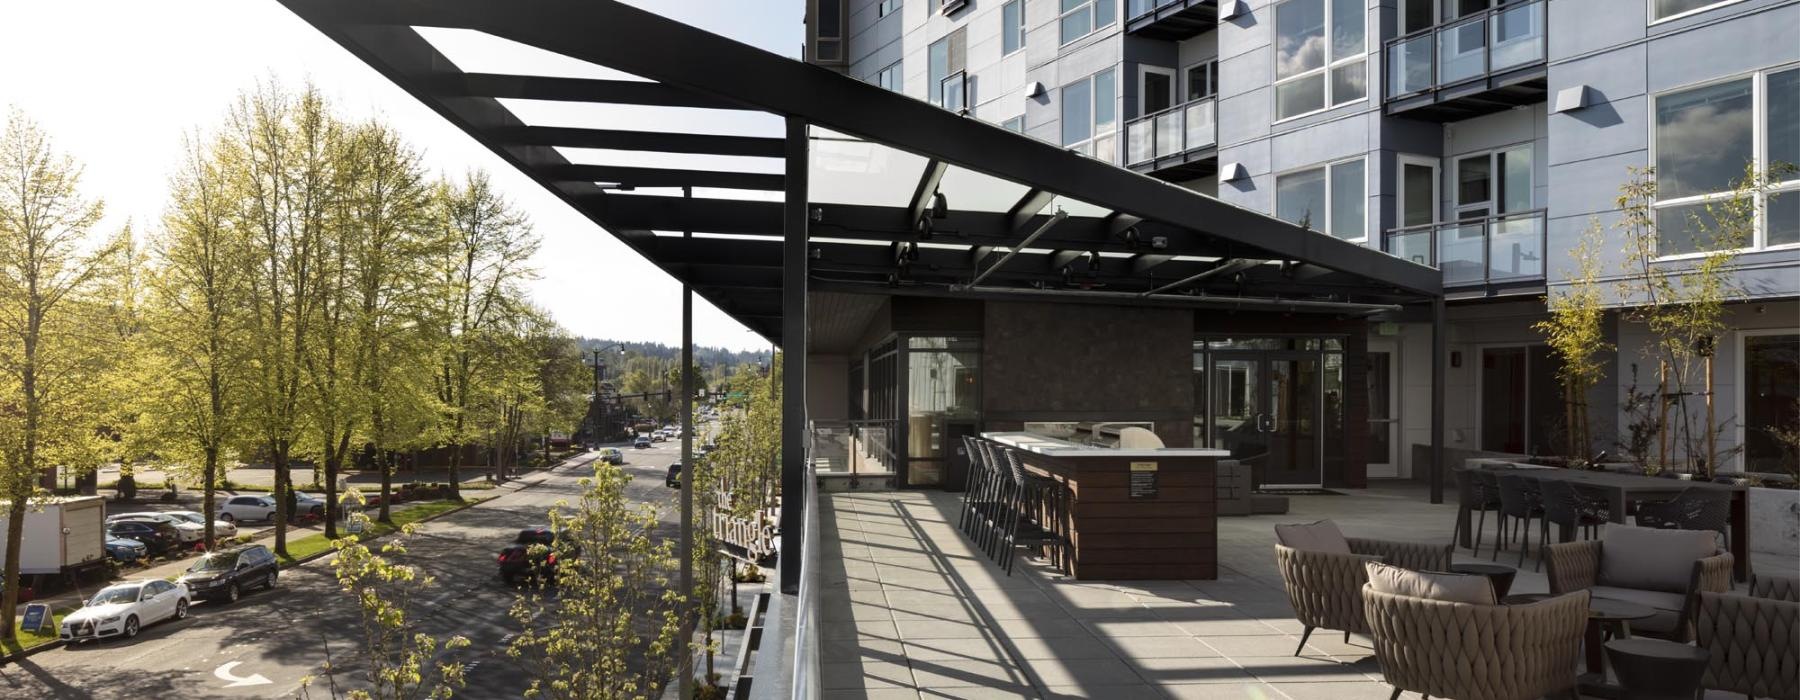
{"x":1469,"y":47}
{"x":1503,"y":248}
{"x":1138,"y":8}
{"x":1173,"y":131}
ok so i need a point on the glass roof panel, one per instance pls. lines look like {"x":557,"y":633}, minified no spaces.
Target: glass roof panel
{"x":850,"y":171}
{"x":597,"y":115}
{"x":967,"y":190}
{"x":480,"y":52}
{"x":677,"y":161}
{"x":1076,"y":207}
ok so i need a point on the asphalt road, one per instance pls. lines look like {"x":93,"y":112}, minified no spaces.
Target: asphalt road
{"x":289,"y":634}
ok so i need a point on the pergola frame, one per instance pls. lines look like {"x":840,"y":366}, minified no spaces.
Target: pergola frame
{"x":1159,"y":245}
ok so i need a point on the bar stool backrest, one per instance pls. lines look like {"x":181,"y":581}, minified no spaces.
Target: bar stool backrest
{"x":1702,"y":509}
{"x":1482,"y":495}
{"x":1561,"y":503}
{"x":1016,"y":468}
{"x":976,"y":458}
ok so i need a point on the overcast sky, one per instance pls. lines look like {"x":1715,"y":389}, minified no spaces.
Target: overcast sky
{"x":117,"y":82}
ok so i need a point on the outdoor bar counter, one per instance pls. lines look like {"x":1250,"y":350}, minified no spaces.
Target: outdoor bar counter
{"x":1133,"y":513}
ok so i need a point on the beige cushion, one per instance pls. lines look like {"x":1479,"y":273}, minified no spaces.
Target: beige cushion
{"x":1653,"y":559}
{"x":1322,"y":536}
{"x":1450,"y":588}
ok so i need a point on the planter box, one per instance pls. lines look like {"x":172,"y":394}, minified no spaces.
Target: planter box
{"x":1774,"y":520}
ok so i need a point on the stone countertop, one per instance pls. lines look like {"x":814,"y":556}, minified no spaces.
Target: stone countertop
{"x":1053,"y":447}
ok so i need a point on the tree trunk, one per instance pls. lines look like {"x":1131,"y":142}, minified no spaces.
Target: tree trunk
{"x":15,"y":531}
{"x":383,"y":462}
{"x":1712,"y":434}
{"x":209,"y":478}
{"x":331,"y":468}
{"x":282,"y":489}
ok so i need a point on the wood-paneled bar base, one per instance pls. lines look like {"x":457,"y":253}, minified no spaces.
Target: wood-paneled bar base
{"x":1167,"y":529}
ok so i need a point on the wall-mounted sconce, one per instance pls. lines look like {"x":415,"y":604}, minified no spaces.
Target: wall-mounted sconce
{"x":1571,"y":98}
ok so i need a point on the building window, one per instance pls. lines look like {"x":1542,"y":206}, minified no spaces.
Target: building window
{"x":1319,"y":55}
{"x":1497,"y":182}
{"x":1771,"y":396}
{"x":887,"y":7}
{"x":890,"y":78}
{"x":1080,"y":18}
{"x":1090,"y":115}
{"x":1015,"y":124}
{"x":945,"y":58}
{"x":1669,"y":9}
{"x":1331,"y":199}
{"x":1202,"y":80}
{"x":955,"y":91}
{"x":1012,"y":27}
{"x":1705,"y":137}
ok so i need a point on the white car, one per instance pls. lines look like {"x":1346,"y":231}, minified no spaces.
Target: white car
{"x":123,"y":609}
{"x":221,"y":528}
{"x":188,"y":530}
{"x":241,"y":508}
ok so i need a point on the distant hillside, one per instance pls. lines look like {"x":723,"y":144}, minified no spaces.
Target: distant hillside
{"x":706,"y":356}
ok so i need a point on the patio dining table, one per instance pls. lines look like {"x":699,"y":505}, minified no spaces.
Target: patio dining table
{"x":1622,"y":489}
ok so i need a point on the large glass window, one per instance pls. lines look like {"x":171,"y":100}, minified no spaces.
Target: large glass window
{"x":1314,"y":38}
{"x":943,"y":386}
{"x":1202,"y":80}
{"x":1705,"y":138}
{"x":1330,"y":199}
{"x":1090,"y":115}
{"x":1012,"y":27}
{"x":889,"y":78}
{"x":944,"y":59}
{"x":887,"y":7}
{"x":1664,"y":9}
{"x":1771,"y":400}
{"x":1080,"y":18}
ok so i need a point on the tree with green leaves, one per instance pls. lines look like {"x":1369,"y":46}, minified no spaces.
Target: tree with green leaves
{"x":481,"y":261}
{"x":55,"y":301}
{"x":401,"y":663}
{"x":612,"y":629}
{"x":1682,"y":304}
{"x":1576,"y":333}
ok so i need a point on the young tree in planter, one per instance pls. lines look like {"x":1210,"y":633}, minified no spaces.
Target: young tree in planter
{"x":402,"y":664}
{"x":54,"y":305}
{"x":612,"y":629}
{"x":1682,"y":304}
{"x":1575,"y":332}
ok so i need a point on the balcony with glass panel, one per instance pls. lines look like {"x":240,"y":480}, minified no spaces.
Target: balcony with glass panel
{"x":1476,"y":64}
{"x":1499,"y":253}
{"x":1178,"y":143}
{"x":1170,"y":20}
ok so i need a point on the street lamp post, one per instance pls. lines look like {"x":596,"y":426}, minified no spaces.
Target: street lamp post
{"x":597,"y":409}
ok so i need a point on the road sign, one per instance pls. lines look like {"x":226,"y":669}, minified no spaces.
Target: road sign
{"x":37,"y":617}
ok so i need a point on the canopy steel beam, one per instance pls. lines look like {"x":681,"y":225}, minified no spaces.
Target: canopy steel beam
{"x":659,"y":141}
{"x":664,"y":177}
{"x":1028,"y":206}
{"x":1055,"y":219}
{"x":1223,"y":267}
{"x":531,"y":87}
{"x":924,"y":193}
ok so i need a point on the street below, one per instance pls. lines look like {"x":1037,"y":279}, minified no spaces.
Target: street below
{"x":271,"y":643}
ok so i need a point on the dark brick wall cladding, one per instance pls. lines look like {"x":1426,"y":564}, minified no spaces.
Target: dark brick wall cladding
{"x":1077,"y":362}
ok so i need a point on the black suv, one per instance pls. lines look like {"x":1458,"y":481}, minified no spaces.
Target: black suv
{"x":673,"y":479}
{"x":519,"y":561}
{"x":225,"y":574}
{"x":158,"y":537}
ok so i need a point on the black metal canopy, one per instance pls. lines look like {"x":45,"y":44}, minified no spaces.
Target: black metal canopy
{"x":923,"y":201}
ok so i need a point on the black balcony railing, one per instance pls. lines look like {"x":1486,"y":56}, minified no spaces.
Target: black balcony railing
{"x":1171,"y":132}
{"x":1491,"y":250}
{"x":1171,"y":20}
{"x":1474,"y":46}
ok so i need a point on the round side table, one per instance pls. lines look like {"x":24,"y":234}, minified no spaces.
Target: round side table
{"x":1653,"y":669}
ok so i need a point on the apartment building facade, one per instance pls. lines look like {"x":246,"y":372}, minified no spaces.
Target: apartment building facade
{"x":1482,"y":137}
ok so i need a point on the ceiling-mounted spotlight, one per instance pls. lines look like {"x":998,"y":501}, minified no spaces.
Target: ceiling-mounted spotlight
{"x":940,"y":207}
{"x":817,"y":214}
{"x":1288,"y":267}
{"x":922,"y":227}
{"x":1130,"y":234}
{"x":1239,"y":278}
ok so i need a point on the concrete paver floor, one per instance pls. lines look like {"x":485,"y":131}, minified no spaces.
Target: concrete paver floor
{"x":911,"y":609}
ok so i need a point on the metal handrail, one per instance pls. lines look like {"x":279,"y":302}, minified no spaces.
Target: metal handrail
{"x":1487,"y":50}
{"x":1487,"y":223}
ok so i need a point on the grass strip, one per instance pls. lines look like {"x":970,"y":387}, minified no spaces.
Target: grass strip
{"x":300,"y":549}
{"x":23,"y":640}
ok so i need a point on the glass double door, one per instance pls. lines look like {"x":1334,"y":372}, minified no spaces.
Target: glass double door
{"x":1265,"y":408}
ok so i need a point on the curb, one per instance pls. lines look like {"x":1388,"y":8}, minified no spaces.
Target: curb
{"x":15,"y":656}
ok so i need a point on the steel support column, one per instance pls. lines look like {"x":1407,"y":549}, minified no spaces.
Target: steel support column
{"x":686,"y":674}
{"x":793,"y":354}
{"x":1438,"y":345}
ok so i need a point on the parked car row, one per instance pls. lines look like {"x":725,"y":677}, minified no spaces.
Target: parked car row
{"x":124,"y":609}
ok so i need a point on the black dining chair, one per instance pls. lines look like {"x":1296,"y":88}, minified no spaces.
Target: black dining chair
{"x":971,"y":496}
{"x":1480,"y":495}
{"x":1566,"y":507}
{"x":1694,"y":509}
{"x":1520,"y":503}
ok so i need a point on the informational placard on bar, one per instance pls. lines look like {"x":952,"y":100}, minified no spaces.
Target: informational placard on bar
{"x":1143,"y":480}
